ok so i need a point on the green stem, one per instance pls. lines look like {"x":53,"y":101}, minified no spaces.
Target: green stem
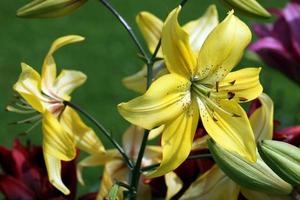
{"x":103,"y":130}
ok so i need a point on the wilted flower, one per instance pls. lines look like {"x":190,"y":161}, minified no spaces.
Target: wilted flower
{"x":199,"y":84}
{"x":24,"y":174}
{"x":279,"y":43}
{"x":49,"y":8}
{"x":63,"y":129}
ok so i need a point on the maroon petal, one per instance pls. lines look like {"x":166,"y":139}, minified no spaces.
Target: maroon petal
{"x":263,"y":30}
{"x":13,"y":189}
{"x":6,"y":161}
{"x":89,"y":196}
{"x":290,"y":135}
{"x":292,"y":15}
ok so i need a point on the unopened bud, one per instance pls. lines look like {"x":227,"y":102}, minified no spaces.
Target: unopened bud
{"x":283,"y":158}
{"x":257,"y":176}
{"x":49,"y":8}
{"x":248,"y":7}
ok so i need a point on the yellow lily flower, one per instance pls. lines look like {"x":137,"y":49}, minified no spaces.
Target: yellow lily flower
{"x":199,"y":84}
{"x":63,"y":130}
{"x":215,"y":185}
{"x":151,"y":27}
{"x":116,"y":169}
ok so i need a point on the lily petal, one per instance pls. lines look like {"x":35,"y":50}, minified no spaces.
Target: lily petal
{"x":174,"y":184}
{"x":67,"y":81}
{"x":223,"y":49}
{"x":57,"y":141}
{"x":200,"y":28}
{"x":166,"y":98}
{"x":256,"y":195}
{"x":132,"y":139}
{"x":49,"y":66}
{"x":261,"y":119}
{"x":176,"y":48}
{"x":28,"y":86}
{"x":114,"y":170}
{"x":96,"y":160}
{"x":177,"y":134}
{"x":85,"y":137}
{"x":231,"y":131}
{"x":138,"y":81}
{"x":53,"y":166}
{"x":242,"y":85}
{"x":151,"y":27}
{"x":200,"y":143}
{"x":214,"y":185}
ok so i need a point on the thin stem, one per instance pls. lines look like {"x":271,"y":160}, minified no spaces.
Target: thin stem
{"x":127,"y":27}
{"x":103,"y":130}
{"x":191,"y":157}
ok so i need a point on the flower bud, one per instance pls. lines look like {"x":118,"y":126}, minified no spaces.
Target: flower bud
{"x":247,"y":7}
{"x":283,"y":158}
{"x":256,"y":176}
{"x":49,"y":8}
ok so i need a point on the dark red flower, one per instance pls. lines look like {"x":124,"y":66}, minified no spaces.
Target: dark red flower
{"x":279,"y":43}
{"x":24,"y":174}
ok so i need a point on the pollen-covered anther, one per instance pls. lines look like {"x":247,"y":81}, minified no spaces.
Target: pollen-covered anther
{"x":243,"y":99}
{"x":230,"y":95}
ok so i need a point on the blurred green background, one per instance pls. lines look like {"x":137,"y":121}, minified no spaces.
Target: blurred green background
{"x":106,"y":57}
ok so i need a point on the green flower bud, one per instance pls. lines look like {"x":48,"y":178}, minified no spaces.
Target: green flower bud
{"x":283,"y":158}
{"x":247,"y":7}
{"x":49,"y":8}
{"x":256,"y":176}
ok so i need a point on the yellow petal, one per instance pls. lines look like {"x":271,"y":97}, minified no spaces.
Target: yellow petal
{"x":228,"y":124}
{"x":200,"y":143}
{"x":176,"y":48}
{"x":53,"y":166}
{"x":85,"y":137}
{"x":151,"y":27}
{"x":256,"y":195}
{"x":177,"y":140}
{"x":67,"y":81}
{"x":138,"y":81}
{"x":96,"y":160}
{"x":242,"y":85}
{"x":166,"y":98}
{"x":152,"y":155}
{"x":156,"y":132}
{"x":174,"y":184}
{"x":262,"y":119}
{"x":57,"y":141}
{"x":49,"y":66}
{"x":200,"y":28}
{"x":114,"y":170}
{"x":212,"y":185}
{"x":223,"y":49}
{"x":29,"y":87}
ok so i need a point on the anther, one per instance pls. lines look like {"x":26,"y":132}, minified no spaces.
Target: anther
{"x":230,"y":95}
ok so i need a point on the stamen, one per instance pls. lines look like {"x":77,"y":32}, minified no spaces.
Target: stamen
{"x":30,"y":128}
{"x":17,"y":110}
{"x":217,"y":86}
{"x":243,"y":99}
{"x":28,"y":120}
{"x":230,"y":95}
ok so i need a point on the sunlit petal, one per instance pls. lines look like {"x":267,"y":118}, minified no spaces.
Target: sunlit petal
{"x":151,"y":27}
{"x":57,"y":141}
{"x":262,"y":119}
{"x":229,"y":126}
{"x":166,"y":98}
{"x":213,"y":185}
{"x":176,"y":48}
{"x":174,"y":184}
{"x":53,"y":166}
{"x":49,"y":66}
{"x":242,"y":85}
{"x":85,"y":137}
{"x":67,"y":81}
{"x":156,"y":132}
{"x":200,"y":28}
{"x":28,"y":86}
{"x":177,"y":140}
{"x":223,"y":49}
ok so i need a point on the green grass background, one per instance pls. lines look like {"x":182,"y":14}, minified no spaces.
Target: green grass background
{"x":106,"y":57}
